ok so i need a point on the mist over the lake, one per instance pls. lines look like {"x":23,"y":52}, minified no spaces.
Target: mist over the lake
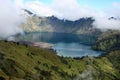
{"x":10,"y":19}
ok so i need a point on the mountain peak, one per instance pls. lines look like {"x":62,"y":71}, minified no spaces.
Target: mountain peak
{"x":28,"y":11}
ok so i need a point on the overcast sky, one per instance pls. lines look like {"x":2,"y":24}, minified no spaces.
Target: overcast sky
{"x":66,"y":8}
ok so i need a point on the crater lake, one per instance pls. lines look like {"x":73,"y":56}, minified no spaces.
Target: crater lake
{"x":65,"y":44}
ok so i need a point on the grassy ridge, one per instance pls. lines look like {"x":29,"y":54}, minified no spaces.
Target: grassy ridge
{"x":110,"y":41}
{"x":29,"y":63}
{"x":26,"y":62}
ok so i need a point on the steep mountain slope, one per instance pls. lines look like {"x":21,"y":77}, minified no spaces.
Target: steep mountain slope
{"x":22,"y":62}
{"x":108,"y":41}
{"x":35,"y":23}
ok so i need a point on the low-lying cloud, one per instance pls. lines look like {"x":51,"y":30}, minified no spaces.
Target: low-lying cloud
{"x":10,"y":19}
{"x":104,"y":23}
{"x":109,"y":21}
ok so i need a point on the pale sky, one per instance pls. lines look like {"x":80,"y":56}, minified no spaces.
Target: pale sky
{"x":56,"y":7}
{"x":98,"y":4}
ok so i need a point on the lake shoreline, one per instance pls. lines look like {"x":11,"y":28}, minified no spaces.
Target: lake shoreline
{"x":67,"y":45}
{"x":43,"y":45}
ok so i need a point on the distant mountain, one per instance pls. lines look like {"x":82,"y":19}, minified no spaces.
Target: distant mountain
{"x":114,"y":18}
{"x":35,"y":23}
{"x":28,"y":12}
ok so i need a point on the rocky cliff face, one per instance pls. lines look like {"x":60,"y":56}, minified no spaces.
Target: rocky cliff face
{"x":35,"y":23}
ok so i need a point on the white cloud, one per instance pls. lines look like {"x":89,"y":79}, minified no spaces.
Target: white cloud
{"x":19,"y":3}
{"x":115,"y":4}
{"x":67,"y":9}
{"x":39,"y":8}
{"x":72,"y":10}
{"x":10,"y":19}
{"x":104,"y":23}
{"x":115,"y":10}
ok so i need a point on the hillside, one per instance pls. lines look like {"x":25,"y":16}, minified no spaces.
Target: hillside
{"x":108,"y":41}
{"x":35,"y":23}
{"x":22,"y":62}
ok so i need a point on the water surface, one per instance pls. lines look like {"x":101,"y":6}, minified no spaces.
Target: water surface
{"x":70,"y":45}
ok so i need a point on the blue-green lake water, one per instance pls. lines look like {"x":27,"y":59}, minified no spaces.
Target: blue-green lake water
{"x":68,"y":45}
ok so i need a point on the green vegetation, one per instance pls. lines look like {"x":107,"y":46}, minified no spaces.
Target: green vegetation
{"x":19,"y":62}
{"x":108,"y":41}
{"x":29,"y":63}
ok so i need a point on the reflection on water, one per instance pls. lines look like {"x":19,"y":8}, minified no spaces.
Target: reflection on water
{"x":58,"y":37}
{"x":65,"y":44}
